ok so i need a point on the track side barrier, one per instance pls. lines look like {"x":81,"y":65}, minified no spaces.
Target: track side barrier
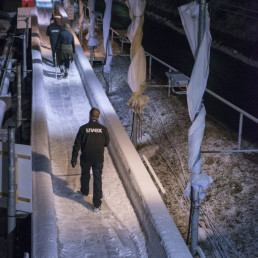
{"x":162,"y":236}
{"x":44,"y":232}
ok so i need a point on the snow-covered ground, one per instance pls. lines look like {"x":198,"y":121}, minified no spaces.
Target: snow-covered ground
{"x":228,"y":216}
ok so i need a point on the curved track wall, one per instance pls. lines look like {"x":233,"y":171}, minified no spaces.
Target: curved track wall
{"x":44,"y":234}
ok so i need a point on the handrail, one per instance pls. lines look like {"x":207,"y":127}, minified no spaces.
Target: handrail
{"x":162,"y":62}
{"x":241,"y":111}
{"x":123,"y":38}
{"x":232,"y":106}
{"x":209,"y":91}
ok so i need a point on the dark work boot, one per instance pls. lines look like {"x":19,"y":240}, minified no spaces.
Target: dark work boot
{"x":61,"y":69}
{"x":65,"y":72}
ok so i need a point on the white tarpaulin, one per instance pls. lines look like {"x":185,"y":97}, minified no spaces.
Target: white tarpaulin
{"x":81,"y":5}
{"x":106,"y":41}
{"x":137,"y":68}
{"x":190,"y":17}
{"x":92,"y":42}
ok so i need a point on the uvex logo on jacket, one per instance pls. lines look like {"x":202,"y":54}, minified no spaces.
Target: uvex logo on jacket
{"x":93,"y":130}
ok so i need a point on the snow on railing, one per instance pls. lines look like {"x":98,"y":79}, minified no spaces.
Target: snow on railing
{"x":241,"y":112}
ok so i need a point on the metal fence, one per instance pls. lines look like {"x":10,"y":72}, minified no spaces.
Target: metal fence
{"x":182,"y":83}
{"x":241,"y":112}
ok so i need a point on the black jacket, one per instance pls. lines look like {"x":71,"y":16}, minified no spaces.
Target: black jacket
{"x":91,"y":140}
{"x":58,"y":16}
{"x":53,"y":31}
{"x":65,"y":38}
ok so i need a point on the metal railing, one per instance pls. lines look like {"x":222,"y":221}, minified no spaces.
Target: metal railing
{"x":241,"y":112}
{"x":121,"y":35}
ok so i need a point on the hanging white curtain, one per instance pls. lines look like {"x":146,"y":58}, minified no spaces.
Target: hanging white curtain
{"x":66,"y":4}
{"x":137,"y":68}
{"x":92,"y":42}
{"x":106,"y":41}
{"x":190,"y":16}
{"x":81,"y":5}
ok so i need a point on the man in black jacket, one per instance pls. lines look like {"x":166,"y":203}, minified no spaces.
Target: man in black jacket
{"x":91,"y":140}
{"x":53,"y":31}
{"x":65,"y":49}
{"x":57,"y":15}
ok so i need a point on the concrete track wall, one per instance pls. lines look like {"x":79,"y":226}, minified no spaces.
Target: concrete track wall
{"x":44,"y":232}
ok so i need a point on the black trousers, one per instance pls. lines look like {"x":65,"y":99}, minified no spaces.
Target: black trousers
{"x":53,"y":54}
{"x":97,"y":180}
{"x":65,"y":62}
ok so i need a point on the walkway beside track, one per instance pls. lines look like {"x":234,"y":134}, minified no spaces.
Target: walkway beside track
{"x":80,"y":231}
{"x":63,"y":223}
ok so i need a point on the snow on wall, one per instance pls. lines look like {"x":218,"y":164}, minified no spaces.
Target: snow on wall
{"x":44,"y":234}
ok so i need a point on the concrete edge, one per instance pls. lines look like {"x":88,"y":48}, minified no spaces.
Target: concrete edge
{"x":44,"y":231}
{"x":163,"y":237}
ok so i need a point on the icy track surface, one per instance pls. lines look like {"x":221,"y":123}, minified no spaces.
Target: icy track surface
{"x":113,"y":232}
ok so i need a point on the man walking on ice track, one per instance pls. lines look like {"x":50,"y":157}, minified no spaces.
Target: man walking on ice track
{"x":91,"y":140}
{"x":53,"y":31}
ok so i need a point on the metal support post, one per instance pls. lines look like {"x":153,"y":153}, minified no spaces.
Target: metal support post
{"x":169,"y":83}
{"x":112,"y":36}
{"x":201,"y":25}
{"x":91,"y":55}
{"x":195,"y":193}
{"x":240,"y":130}
{"x":24,"y":68}
{"x":122,"y":46}
{"x":11,"y":192}
{"x":80,"y":33}
{"x":135,"y":129}
{"x":195,"y":219}
{"x":150,"y":63}
{"x":19,"y":109}
{"x":107,"y":81}
{"x":27,"y":32}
